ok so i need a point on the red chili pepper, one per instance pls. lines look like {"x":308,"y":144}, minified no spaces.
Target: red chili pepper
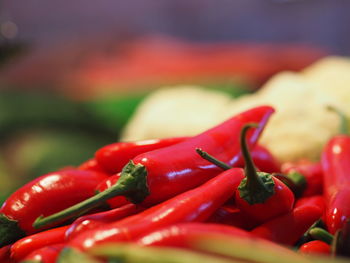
{"x":91,"y":221}
{"x":5,"y":254}
{"x":182,"y":235}
{"x":114,"y":157}
{"x":158,"y":175}
{"x":194,"y":205}
{"x":231,"y":215}
{"x":312,"y":173}
{"x":48,"y":254}
{"x":45,"y":195}
{"x":288,"y":228}
{"x":92,"y":165}
{"x":336,"y":169}
{"x":260,"y":195}
{"x":26,"y":245}
{"x":317,"y":200}
{"x":315,"y":247}
{"x":114,"y":202}
{"x":263,"y":159}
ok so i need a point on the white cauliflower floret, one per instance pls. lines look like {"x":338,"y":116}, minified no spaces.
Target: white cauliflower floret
{"x":176,"y":111}
{"x":301,"y":124}
{"x":299,"y":128}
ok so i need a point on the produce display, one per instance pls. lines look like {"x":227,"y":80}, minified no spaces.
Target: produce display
{"x":218,"y":196}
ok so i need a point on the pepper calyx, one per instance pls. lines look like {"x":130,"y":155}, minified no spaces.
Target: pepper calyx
{"x":9,"y":230}
{"x":257,"y":192}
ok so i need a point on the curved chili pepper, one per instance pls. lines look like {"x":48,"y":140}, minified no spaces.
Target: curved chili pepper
{"x":182,"y":235}
{"x":48,"y":254}
{"x":315,"y":247}
{"x":26,"y":245}
{"x":231,"y":215}
{"x":194,"y":205}
{"x":46,"y":195}
{"x":288,"y":228}
{"x":92,"y":165}
{"x":91,"y":221}
{"x":114,"y":202}
{"x":115,"y":156}
{"x":260,"y":195}
{"x":263,"y":160}
{"x":335,"y":162}
{"x":312,"y":172}
{"x":5,"y":254}
{"x":174,"y":169}
{"x":317,"y":200}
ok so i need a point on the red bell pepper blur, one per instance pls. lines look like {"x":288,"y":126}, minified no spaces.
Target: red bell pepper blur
{"x":91,"y":221}
{"x":288,"y":228}
{"x":312,"y":173}
{"x":182,"y":235}
{"x":336,"y":168}
{"x":231,"y":215}
{"x":263,"y":160}
{"x":48,"y":254}
{"x":260,"y":195}
{"x":44,"y":195}
{"x":158,"y":175}
{"x":195,"y":205}
{"x":92,"y":165}
{"x":315,"y":247}
{"x":26,"y":245}
{"x":114,"y":157}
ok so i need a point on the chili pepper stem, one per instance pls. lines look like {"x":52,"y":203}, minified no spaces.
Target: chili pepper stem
{"x":257,"y":187}
{"x":321,"y":234}
{"x":9,"y":231}
{"x":132,"y":184}
{"x":212,"y":159}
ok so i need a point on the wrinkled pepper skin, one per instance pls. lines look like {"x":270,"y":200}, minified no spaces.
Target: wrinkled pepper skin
{"x":23,"y":247}
{"x":44,"y":195}
{"x":315,"y":247}
{"x":195,"y":205}
{"x":182,"y":235}
{"x":336,"y":167}
{"x":115,"y":156}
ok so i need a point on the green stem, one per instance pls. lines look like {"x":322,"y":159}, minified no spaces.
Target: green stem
{"x":343,"y":120}
{"x":131,"y":184}
{"x":257,"y":187}
{"x":212,"y":159}
{"x":321,"y":234}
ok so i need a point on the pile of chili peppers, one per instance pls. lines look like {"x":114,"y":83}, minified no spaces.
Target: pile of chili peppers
{"x":175,"y":192}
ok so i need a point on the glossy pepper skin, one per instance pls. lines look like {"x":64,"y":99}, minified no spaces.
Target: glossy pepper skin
{"x":172,"y":170}
{"x":288,"y":228}
{"x":92,"y":165}
{"x":115,"y":156}
{"x":336,"y":167}
{"x":45,"y":195}
{"x":48,"y":254}
{"x":261,"y":196}
{"x":312,"y":172}
{"x":92,"y":221}
{"x":182,"y":235}
{"x":315,"y":247}
{"x":195,"y":205}
{"x":23,"y":247}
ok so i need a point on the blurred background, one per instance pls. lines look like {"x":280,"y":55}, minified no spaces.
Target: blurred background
{"x":73,"y":72}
